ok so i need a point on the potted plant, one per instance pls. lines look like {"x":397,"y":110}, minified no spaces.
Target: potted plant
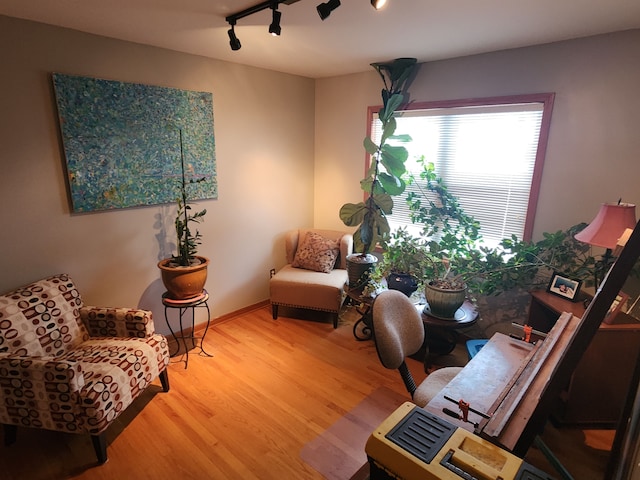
{"x":403,"y":262}
{"x":384,"y":176}
{"x":185,"y":274}
{"x":457,"y":263}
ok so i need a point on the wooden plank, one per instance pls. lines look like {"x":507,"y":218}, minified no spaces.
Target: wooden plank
{"x":555,"y":342}
{"x":484,"y":378}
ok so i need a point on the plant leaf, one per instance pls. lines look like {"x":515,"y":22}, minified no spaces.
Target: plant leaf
{"x":392,"y":184}
{"x":370,"y":146}
{"x":352,"y":214}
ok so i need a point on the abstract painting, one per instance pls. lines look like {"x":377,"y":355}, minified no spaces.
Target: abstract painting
{"x":122,"y":142}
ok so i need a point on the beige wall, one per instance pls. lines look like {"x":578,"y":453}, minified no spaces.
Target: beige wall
{"x":263,"y":125}
{"x":271,"y":175}
{"x":594,"y":145}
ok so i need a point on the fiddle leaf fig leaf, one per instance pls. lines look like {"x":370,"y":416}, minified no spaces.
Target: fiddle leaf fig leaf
{"x":393,"y":103}
{"x":394,"y":158}
{"x":370,"y":146}
{"x":384,"y":202}
{"x":352,"y":214}
{"x":392,"y":184}
{"x":388,"y":130}
{"x":401,"y":138}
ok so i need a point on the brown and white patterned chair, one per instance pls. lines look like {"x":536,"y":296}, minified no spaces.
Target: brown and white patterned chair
{"x":72,"y":368}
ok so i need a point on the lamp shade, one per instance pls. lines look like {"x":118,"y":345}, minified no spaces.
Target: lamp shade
{"x":609,"y":225}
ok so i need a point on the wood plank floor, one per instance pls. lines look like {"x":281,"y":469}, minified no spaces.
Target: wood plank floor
{"x":245,"y":413}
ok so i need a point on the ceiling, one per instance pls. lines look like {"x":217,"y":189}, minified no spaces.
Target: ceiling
{"x":354,"y":36}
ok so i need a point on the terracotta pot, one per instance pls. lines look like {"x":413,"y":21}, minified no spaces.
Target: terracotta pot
{"x":184,"y":282}
{"x":443,"y":302}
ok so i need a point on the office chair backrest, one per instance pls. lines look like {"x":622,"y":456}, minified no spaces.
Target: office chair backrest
{"x":397,"y":328}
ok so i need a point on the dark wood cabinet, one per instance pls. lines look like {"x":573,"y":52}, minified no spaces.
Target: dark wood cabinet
{"x":598,"y":388}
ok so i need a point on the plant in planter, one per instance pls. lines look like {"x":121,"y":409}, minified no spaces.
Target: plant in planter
{"x":185,"y":274}
{"x":460,"y":264}
{"x":384,"y":176}
{"x":403,"y":262}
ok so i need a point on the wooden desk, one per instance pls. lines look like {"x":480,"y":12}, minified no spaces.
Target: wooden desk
{"x":597,"y":391}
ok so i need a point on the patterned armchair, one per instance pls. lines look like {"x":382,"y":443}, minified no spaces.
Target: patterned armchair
{"x":71,"y":368}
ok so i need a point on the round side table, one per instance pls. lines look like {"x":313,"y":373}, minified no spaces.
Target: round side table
{"x":184,"y":306}
{"x":441,"y":334}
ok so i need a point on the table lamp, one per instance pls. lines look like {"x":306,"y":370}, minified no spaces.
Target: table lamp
{"x":606,"y":228}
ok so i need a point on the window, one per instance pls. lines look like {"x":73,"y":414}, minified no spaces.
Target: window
{"x":489,"y":153}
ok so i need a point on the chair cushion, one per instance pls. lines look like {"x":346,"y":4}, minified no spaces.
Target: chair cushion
{"x":116,"y":371}
{"x":316,"y":253}
{"x":432,"y":385}
{"x":296,"y":287}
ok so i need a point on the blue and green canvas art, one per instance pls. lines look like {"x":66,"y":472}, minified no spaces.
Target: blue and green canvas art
{"x":122,"y":142}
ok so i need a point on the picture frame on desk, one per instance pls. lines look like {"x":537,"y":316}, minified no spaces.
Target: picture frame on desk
{"x":616,"y":306}
{"x":564,"y":287}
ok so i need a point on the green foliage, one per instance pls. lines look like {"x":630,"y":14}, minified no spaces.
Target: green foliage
{"x":384,"y":176}
{"x":450,"y":248}
{"x":404,"y":254}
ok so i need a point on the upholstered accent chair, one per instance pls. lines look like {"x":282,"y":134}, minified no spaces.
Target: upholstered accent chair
{"x":316,"y":271}
{"x":398,"y":332}
{"x":69,"y":367}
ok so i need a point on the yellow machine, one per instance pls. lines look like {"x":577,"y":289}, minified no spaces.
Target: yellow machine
{"x":413,"y":444}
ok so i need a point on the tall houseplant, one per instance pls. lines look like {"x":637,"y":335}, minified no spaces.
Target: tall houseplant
{"x":384,"y":175}
{"x":185,"y":274}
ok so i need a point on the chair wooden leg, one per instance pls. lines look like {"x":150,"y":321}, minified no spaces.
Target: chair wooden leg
{"x":274,"y":311}
{"x":100,"y":446}
{"x":164,"y":380}
{"x":336,"y":317}
{"x":10,"y":434}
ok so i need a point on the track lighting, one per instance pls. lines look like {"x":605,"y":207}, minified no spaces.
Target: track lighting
{"x":274,"y":28}
{"x":325,"y":9}
{"x":233,"y":40}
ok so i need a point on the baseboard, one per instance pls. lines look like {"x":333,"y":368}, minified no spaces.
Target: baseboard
{"x":199,"y":328}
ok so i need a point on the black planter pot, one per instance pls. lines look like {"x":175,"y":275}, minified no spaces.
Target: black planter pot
{"x":359,"y":267}
{"x":402,"y":282}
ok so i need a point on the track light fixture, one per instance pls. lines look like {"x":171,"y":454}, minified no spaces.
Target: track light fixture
{"x":325,"y":9}
{"x":233,"y":40}
{"x":274,"y":28}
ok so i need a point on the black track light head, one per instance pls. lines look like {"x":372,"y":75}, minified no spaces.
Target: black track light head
{"x":233,"y":40}
{"x":325,"y":9}
{"x":274,"y":28}
{"x":378,"y":4}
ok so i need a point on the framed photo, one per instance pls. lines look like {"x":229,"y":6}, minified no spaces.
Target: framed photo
{"x":564,"y":286}
{"x":616,"y":306}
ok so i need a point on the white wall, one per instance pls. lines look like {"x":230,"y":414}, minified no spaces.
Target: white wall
{"x":263,"y":124}
{"x":594,"y":145}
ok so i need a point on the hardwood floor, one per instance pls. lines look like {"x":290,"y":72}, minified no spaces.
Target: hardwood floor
{"x":245,"y":413}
